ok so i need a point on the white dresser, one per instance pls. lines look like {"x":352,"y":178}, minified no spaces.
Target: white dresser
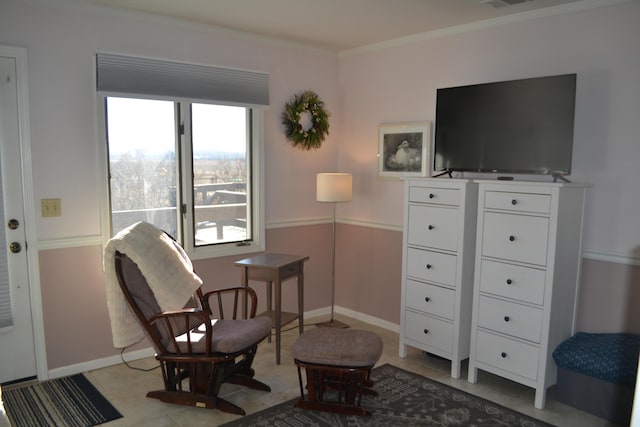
{"x":437,"y":267}
{"x":527,"y":267}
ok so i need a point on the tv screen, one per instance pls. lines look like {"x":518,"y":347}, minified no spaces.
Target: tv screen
{"x":518,"y":126}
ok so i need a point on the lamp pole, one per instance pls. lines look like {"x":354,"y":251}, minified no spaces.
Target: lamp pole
{"x":333,"y":187}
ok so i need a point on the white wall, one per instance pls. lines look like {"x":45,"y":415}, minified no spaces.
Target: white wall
{"x":61,"y":43}
{"x":387,"y":85}
{"x":601,"y":45}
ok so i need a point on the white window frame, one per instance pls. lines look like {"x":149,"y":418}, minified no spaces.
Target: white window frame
{"x":255,"y":184}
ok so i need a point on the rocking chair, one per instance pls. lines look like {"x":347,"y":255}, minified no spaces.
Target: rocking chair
{"x":197,"y":347}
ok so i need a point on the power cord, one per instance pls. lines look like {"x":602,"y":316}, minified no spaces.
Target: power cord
{"x":134,"y":367}
{"x":296,"y":327}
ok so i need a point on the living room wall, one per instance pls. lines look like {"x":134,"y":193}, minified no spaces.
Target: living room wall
{"x":61,"y":39}
{"x":363,"y":88}
{"x":397,"y":82}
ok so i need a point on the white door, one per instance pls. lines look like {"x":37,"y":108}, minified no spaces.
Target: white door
{"x":17,"y":348}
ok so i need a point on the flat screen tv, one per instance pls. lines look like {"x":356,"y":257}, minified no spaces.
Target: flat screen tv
{"x":518,"y":126}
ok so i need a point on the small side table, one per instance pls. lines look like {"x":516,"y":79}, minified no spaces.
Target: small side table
{"x":274,"y":269}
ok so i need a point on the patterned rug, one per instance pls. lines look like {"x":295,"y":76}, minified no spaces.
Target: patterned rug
{"x":404,"y":399}
{"x":62,"y":402}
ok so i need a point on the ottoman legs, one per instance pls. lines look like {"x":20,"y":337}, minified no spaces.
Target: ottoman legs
{"x":337,"y":363}
{"x":334,"y":388}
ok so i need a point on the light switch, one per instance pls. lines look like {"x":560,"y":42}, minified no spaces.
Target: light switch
{"x":51,"y":207}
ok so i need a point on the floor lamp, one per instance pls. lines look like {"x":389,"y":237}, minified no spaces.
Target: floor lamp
{"x":333,"y":188}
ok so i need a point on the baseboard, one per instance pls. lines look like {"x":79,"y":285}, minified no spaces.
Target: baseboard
{"x":100,"y":363}
{"x":325,"y":311}
{"x":149,"y":352}
{"x":319,"y":312}
{"x":384,"y":324}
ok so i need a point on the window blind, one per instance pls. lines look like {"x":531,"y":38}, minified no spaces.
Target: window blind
{"x":143,"y":76}
{"x":6,"y":315}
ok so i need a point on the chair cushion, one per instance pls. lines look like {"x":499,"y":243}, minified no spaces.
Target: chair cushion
{"x":228,"y":336}
{"x":338,"y":347}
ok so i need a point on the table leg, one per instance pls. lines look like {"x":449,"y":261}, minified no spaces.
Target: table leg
{"x":269,"y":303}
{"x":278,"y":316}
{"x":300,"y":302}
{"x":244,"y":280}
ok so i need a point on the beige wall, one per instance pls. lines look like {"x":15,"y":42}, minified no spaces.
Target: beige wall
{"x":77,"y":327}
{"x":312,"y":241}
{"x":74,"y":306}
{"x":369,"y":270}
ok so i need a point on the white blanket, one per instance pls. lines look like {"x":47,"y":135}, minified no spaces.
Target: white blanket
{"x":166,"y":268}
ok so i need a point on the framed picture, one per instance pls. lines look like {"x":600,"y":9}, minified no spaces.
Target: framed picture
{"x":404,"y":149}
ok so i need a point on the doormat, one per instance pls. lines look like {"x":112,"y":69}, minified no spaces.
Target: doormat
{"x":62,"y":402}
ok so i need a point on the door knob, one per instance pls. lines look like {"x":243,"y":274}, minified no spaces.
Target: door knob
{"x":15,"y":247}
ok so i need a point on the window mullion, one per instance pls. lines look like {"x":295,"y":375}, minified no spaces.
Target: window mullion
{"x":250,"y":177}
{"x":186,"y":177}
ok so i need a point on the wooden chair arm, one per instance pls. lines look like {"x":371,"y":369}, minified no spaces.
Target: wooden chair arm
{"x":239,"y":295}
{"x":181,"y":323}
{"x":181,"y":312}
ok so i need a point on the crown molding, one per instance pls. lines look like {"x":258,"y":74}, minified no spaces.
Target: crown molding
{"x":578,"y":6}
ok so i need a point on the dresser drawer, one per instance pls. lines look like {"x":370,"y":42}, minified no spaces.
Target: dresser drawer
{"x":435,"y":195}
{"x":430,"y":299}
{"x":519,"y":202}
{"x":515,"y":237}
{"x":429,"y":331}
{"x":508,"y":355}
{"x":512,"y":281}
{"x":510,"y":318}
{"x":431,"y":266}
{"x":433,"y":226}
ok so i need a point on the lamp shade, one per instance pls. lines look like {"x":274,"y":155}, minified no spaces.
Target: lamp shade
{"x":333,"y":187}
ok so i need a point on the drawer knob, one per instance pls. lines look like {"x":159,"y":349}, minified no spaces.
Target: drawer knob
{"x":431,"y":195}
{"x":509,"y":281}
{"x":512,"y":238}
{"x":426,"y":331}
{"x":514,"y":202}
{"x":427,"y":299}
{"x":430,"y":227}
{"x":428,"y":266}
{"x":506,"y":318}
{"x":503,"y":354}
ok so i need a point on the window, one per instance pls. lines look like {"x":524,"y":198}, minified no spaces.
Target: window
{"x":191,"y":167}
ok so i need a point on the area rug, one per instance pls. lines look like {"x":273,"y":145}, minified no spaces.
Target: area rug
{"x":404,"y":399}
{"x":62,"y":402}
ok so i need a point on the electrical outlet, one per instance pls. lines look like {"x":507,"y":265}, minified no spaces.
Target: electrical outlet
{"x":51,"y":207}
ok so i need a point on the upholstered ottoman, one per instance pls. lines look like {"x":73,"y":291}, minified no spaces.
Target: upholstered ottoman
{"x":337,"y":363}
{"x":597,"y":373}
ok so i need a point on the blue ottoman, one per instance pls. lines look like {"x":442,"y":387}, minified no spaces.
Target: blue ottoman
{"x":597,"y":373}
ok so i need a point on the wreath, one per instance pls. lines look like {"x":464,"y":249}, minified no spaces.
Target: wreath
{"x":309,"y":135}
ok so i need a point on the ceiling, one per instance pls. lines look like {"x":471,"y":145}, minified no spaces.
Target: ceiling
{"x":339,"y":24}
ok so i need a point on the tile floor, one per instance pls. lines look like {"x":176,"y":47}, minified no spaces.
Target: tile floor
{"x":126,"y":388}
